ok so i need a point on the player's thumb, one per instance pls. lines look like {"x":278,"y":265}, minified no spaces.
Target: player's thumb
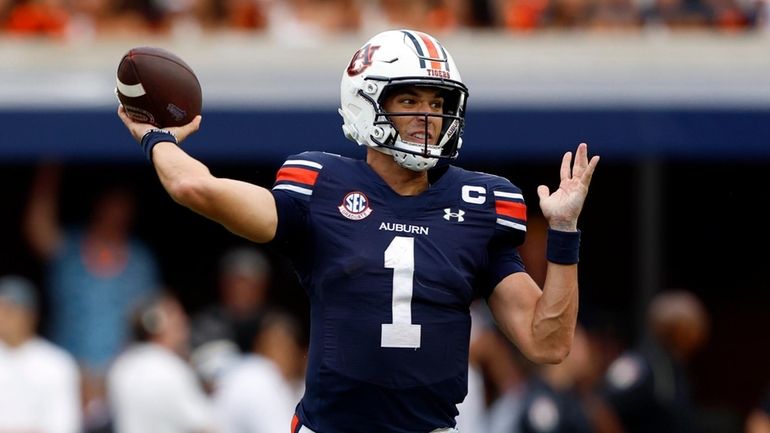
{"x":185,"y":130}
{"x":196,"y":123}
{"x":543,"y":192}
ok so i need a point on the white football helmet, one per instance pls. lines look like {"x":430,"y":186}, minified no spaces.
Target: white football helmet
{"x":394,"y":59}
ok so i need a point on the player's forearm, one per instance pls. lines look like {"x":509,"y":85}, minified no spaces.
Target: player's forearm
{"x":183,"y":177}
{"x":555,"y":317}
{"x":245,"y":209}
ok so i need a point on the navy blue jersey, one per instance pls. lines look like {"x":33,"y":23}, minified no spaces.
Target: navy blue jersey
{"x":390,"y":281}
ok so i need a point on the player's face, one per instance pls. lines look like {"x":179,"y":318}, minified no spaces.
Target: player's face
{"x":419,"y":128}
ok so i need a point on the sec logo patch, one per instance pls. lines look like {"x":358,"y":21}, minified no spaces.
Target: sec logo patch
{"x":355,"y":206}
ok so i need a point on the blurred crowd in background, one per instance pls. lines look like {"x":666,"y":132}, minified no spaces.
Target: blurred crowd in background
{"x":297,"y":20}
{"x":101,"y":344}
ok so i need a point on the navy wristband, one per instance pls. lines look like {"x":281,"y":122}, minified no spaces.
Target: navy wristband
{"x":563,"y":247}
{"x":153,"y":137}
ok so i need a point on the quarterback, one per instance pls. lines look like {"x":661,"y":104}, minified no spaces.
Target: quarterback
{"x":392,"y":249}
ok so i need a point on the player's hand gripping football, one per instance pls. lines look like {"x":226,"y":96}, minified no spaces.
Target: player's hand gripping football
{"x":562,"y":207}
{"x":138,"y":129}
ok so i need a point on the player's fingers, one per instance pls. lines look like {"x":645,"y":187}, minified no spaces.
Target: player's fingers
{"x":543,"y":192}
{"x":122,"y":114}
{"x":565,"y":171}
{"x":581,"y":161}
{"x":589,"y":171}
{"x":581,"y":156}
{"x":184,"y":131}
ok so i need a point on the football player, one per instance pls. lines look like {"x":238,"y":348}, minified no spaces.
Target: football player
{"x":392,"y":249}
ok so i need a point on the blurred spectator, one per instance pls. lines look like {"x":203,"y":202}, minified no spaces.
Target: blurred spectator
{"x":151,"y":388}
{"x":676,"y":15}
{"x":568,"y":14}
{"x":259,"y":393}
{"x":551,"y":399}
{"x":727,"y":15}
{"x":39,"y":383}
{"x":186,"y":18}
{"x":615,"y":15}
{"x":38,"y":17}
{"x":436,"y":17}
{"x":758,"y":420}
{"x":522,"y":15}
{"x":243,"y":287}
{"x":472,"y":411}
{"x":647,"y":389}
{"x":759,"y":11}
{"x":95,"y":274}
{"x":212,"y":359}
{"x":5,"y":10}
{"x":308,"y":22}
{"x":502,"y":378}
{"x":95,"y":18}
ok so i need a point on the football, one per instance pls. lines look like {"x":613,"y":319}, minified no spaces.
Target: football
{"x":156,"y":86}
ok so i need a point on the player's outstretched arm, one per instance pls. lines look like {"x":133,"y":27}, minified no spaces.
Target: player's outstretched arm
{"x":243,"y":208}
{"x":542,"y":322}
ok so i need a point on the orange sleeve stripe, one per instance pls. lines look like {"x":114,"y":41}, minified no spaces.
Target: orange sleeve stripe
{"x":296,"y":174}
{"x":431,"y":50}
{"x":511,"y":209}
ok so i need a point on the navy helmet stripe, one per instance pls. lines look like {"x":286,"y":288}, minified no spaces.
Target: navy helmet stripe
{"x":446,"y":57}
{"x":417,"y":46}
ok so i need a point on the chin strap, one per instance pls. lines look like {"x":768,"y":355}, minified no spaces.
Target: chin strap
{"x":403,"y":159}
{"x":413,"y":162}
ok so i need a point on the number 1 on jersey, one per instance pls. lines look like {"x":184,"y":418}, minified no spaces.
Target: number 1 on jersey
{"x":399,"y":256}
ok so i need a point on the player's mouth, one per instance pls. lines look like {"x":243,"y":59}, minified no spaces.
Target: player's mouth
{"x":420,"y":137}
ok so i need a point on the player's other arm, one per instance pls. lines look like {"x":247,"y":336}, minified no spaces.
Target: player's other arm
{"x":542,"y":322}
{"x":245,"y":209}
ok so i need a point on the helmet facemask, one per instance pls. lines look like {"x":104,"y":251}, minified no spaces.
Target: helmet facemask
{"x":443,"y":144}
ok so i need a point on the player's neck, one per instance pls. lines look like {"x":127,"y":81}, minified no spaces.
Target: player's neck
{"x":401,"y":180}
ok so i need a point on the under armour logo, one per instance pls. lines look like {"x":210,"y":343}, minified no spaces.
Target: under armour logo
{"x":448,"y":215}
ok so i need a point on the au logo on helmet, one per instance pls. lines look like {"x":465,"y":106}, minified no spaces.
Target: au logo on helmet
{"x":362,"y":59}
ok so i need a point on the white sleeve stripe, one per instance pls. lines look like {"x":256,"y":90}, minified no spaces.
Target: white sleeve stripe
{"x":512,"y":224}
{"x":303,"y":162}
{"x":294,"y":188}
{"x":513,"y":195}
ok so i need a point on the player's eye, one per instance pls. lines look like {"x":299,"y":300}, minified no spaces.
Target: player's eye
{"x":437,"y":104}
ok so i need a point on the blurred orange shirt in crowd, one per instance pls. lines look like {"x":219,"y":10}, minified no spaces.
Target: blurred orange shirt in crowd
{"x":37,"y":18}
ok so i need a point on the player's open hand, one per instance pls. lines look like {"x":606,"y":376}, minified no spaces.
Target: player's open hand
{"x":138,"y":129}
{"x":562,"y":207}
